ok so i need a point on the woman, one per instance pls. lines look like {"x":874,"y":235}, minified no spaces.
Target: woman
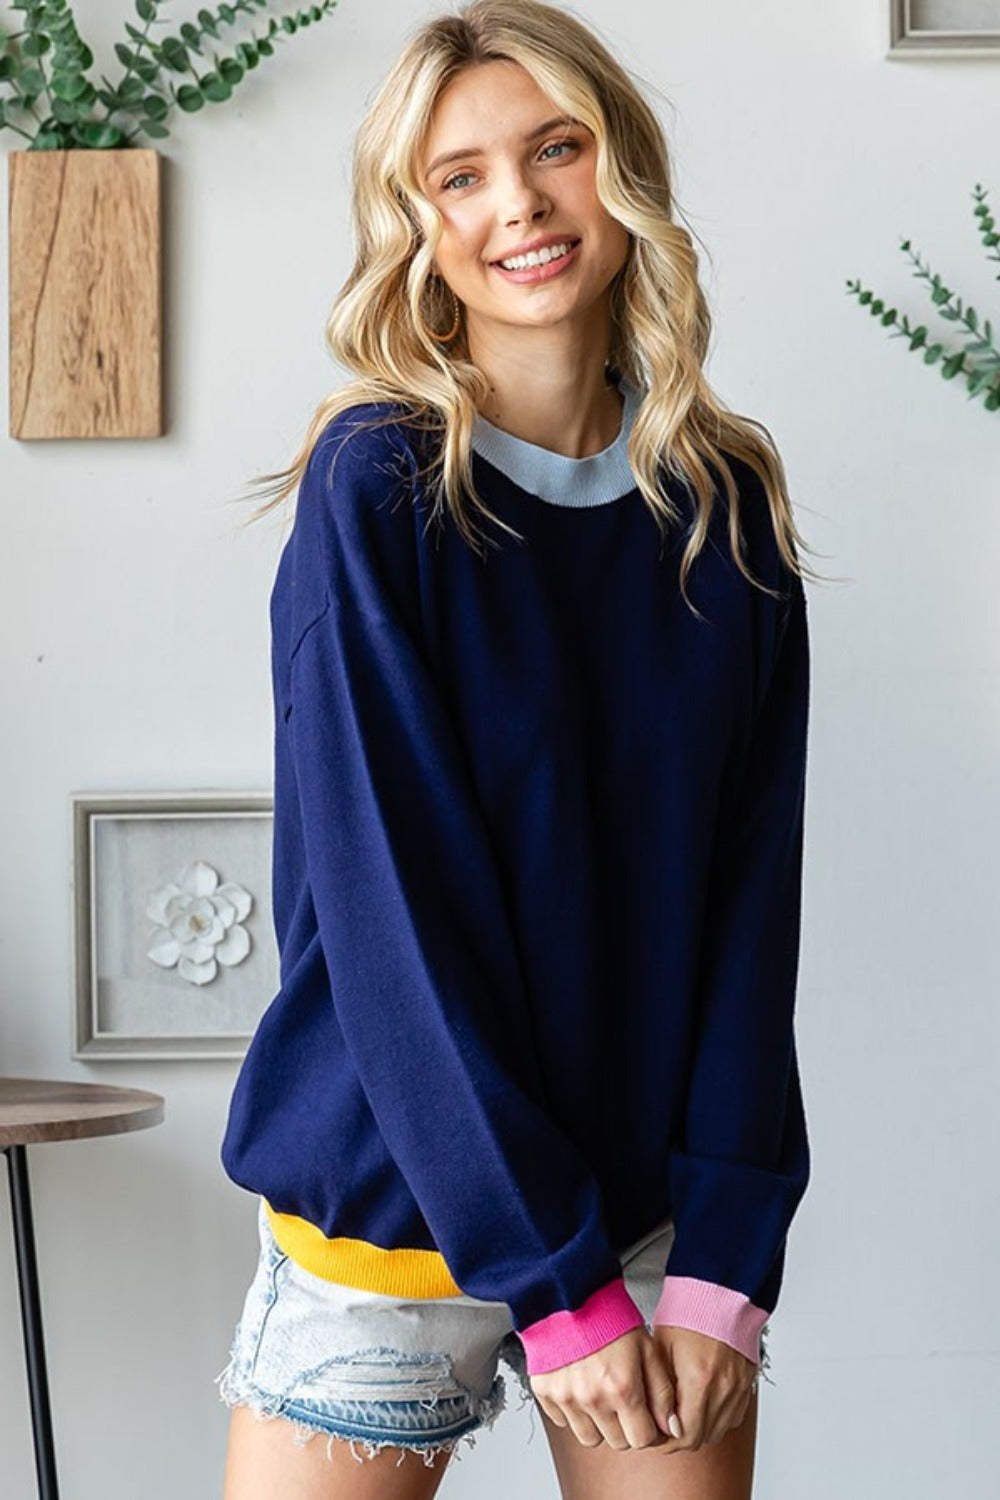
{"x":529,"y":1089}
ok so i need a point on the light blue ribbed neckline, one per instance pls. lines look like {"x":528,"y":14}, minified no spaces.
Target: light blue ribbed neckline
{"x":555,"y":478}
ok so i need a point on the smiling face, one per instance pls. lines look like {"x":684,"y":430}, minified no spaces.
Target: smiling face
{"x":518,"y":171}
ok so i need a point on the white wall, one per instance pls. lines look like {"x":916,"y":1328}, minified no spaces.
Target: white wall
{"x":134,"y":640}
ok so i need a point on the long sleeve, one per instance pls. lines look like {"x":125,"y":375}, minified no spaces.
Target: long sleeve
{"x":739,"y":1173}
{"x":415,"y":933}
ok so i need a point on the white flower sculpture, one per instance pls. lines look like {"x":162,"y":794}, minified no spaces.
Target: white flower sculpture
{"x":199,"y":922}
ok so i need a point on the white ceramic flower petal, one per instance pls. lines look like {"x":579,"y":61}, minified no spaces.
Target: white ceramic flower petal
{"x":239,"y":896}
{"x":197,"y":950}
{"x":156,"y":906}
{"x":197,"y":973}
{"x":234,"y":947}
{"x":198,"y":878}
{"x":163,"y":950}
{"x":174,"y":908}
{"x":224,"y":910}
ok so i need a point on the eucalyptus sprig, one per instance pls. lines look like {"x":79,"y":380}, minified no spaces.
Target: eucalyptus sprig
{"x":44,"y":66}
{"x":979,"y":361}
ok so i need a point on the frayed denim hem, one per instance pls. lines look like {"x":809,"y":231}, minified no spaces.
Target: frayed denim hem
{"x":360,"y":1423}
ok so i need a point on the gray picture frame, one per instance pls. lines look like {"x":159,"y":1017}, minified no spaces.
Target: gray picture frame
{"x":943,"y":28}
{"x":174,"y":954}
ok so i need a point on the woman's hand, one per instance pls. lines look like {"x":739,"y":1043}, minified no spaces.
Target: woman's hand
{"x":622,"y":1394}
{"x":713,"y":1383}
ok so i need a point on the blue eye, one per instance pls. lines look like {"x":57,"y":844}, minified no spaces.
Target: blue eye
{"x":452,"y":180}
{"x":553,"y":145}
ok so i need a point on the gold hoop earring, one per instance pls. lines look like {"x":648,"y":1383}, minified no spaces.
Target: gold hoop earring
{"x":444,"y":338}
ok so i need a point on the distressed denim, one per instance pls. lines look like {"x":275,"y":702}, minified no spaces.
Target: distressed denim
{"x":380,"y":1371}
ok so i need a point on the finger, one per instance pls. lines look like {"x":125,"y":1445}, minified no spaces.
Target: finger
{"x":692,"y":1397}
{"x":635,"y":1418}
{"x":660,"y":1398}
{"x":602,"y":1411}
{"x":723,"y":1414}
{"x":551,"y":1410}
{"x":730,"y":1415}
{"x":584,"y":1428}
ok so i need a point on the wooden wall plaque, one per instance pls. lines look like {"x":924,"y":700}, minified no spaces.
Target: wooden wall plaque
{"x":85,"y":293}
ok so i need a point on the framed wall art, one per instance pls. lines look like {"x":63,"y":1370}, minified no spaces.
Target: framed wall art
{"x":943,"y":28}
{"x":174,"y":949}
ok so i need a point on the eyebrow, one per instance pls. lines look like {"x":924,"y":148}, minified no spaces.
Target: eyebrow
{"x":467,"y":151}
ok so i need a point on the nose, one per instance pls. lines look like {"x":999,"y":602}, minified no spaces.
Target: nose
{"x":521,"y":199}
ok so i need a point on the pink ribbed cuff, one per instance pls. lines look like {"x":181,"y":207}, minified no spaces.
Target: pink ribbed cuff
{"x":563,"y":1337}
{"x":718,"y":1311}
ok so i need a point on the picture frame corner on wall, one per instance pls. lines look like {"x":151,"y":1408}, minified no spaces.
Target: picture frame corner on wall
{"x":174,"y":953}
{"x":919,"y":29}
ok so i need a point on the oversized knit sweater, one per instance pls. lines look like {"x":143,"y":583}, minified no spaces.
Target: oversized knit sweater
{"x":537,"y":860}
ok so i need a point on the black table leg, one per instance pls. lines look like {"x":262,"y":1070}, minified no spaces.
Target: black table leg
{"x":31,"y":1322}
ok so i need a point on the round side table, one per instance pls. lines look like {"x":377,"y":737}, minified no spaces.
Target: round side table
{"x":40,"y":1109}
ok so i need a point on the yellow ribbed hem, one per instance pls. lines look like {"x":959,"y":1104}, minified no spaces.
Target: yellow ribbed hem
{"x":356,"y":1263}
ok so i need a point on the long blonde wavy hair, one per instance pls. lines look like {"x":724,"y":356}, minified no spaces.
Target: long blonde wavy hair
{"x":382,"y":321}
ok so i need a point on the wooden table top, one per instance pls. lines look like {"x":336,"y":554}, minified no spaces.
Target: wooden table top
{"x":44,"y":1109}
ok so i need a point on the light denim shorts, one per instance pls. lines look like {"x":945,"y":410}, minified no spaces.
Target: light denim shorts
{"x":380,"y":1371}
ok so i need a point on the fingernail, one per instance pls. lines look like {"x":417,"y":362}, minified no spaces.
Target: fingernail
{"x":674,"y":1424}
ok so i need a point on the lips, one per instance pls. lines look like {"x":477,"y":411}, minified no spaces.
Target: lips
{"x":564,"y":240}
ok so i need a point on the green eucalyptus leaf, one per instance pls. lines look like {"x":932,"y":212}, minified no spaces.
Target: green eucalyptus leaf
{"x":952,"y":365}
{"x":155,"y":107}
{"x":64,"y":111}
{"x":174,"y":53}
{"x":227,"y":13}
{"x":215,"y":88}
{"x":153,"y":129}
{"x":48,"y":140}
{"x":190,"y":98}
{"x":69,"y":86}
{"x":231,"y":70}
{"x":247,"y":54}
{"x":125,"y":55}
{"x":145,"y":10}
{"x":207,"y":22}
{"x":98,"y":135}
{"x":192,"y":36}
{"x":35,"y":46}
{"x":932,"y":353}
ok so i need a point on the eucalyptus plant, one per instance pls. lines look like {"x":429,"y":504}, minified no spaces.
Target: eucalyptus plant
{"x":979,"y":361}
{"x":44,"y":66}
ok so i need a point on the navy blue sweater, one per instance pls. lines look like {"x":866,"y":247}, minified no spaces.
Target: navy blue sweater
{"x":537,"y":860}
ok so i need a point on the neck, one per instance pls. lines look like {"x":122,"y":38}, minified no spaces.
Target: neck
{"x":557,"y":398}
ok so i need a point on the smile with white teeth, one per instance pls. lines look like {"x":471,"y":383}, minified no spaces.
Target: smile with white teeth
{"x":536,"y":257}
